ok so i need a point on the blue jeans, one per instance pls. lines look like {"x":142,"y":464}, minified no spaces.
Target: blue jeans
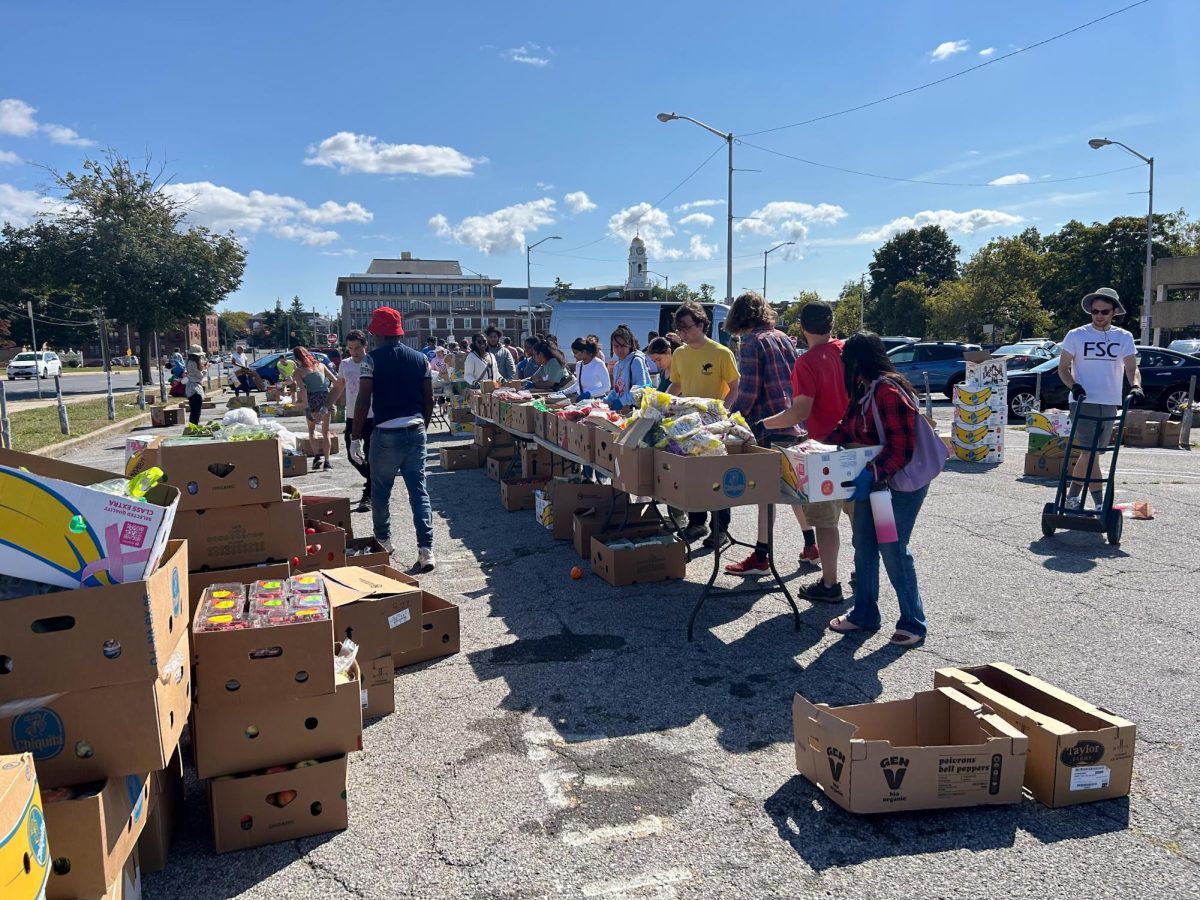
{"x":403,"y":451}
{"x":897,"y":559}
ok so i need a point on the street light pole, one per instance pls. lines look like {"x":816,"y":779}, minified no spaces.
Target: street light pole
{"x":1147,"y":276}
{"x":666,"y":281}
{"x":767,"y":253}
{"x":529,"y":282}
{"x":727,"y":137}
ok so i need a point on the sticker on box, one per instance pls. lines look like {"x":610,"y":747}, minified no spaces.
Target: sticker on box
{"x":396,"y":619}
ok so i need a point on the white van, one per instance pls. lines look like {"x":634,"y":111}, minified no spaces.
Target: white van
{"x":572,"y":319}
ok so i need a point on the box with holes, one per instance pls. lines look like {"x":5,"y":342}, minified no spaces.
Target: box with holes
{"x":215,"y":473}
{"x":324,"y":547}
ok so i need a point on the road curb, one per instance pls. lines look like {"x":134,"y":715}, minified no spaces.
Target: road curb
{"x":64,"y":447}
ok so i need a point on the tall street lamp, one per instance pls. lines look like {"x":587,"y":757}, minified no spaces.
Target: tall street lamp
{"x":482,"y":291}
{"x":727,"y":137}
{"x":1147,"y":278}
{"x":666,"y":281}
{"x":767,"y":253}
{"x":529,"y":283}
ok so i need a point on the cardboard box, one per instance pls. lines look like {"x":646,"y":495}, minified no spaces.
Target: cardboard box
{"x":166,"y":807}
{"x":324,"y":547}
{"x":748,"y":476}
{"x":293,"y":466}
{"x":536,"y":461}
{"x":463,"y":456}
{"x":605,"y":447}
{"x":116,"y":729}
{"x":517,"y":494}
{"x":985,"y":370}
{"x":543,"y":508}
{"x":581,"y":440}
{"x":313,"y":446}
{"x":93,"y":835}
{"x":587,"y":523}
{"x":1038,"y":465}
{"x":633,"y":469}
{"x":216,"y":473}
{"x":485,"y":435}
{"x":439,"y":632}
{"x":228,"y":536}
{"x":1142,"y":434}
{"x":497,"y":467}
{"x":936,"y":750}
{"x":254,"y":665}
{"x":984,"y":453}
{"x":24,"y":854}
{"x":975,"y":435}
{"x":121,"y":540}
{"x":828,"y":475}
{"x":569,"y":498}
{"x":166,"y":416}
{"x":92,"y":637}
{"x":621,"y":566}
{"x":198,"y":581}
{"x":377,"y":611}
{"x":1077,"y":752}
{"x":254,"y":810}
{"x":233,"y":739}
{"x":366,"y":551}
{"x":128,"y":885}
{"x":522,"y":417}
{"x":244,"y":402}
{"x":1170,"y":434}
{"x":334,"y":510}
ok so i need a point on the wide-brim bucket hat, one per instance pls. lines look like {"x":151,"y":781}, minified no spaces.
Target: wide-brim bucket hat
{"x":1104,"y":293}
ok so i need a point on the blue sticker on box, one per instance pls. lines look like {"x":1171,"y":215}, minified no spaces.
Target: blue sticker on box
{"x":734,"y":483}
{"x":40,"y":732}
{"x":37,"y":836}
{"x":176,"y":593}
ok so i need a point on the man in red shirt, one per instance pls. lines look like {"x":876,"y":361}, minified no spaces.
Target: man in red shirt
{"x":819,"y":400}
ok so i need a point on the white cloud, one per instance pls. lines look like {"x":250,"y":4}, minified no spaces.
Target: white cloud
{"x":20,"y":207}
{"x":698,"y":204}
{"x":349,"y":152}
{"x":946,"y":49}
{"x":528,"y":54}
{"x":651,"y":223}
{"x":498,"y":231}
{"x":579,"y":202}
{"x":967,"y":222}
{"x":702,"y":219}
{"x":987,"y":51}
{"x":697,"y":249}
{"x":1015,"y":178}
{"x":223,"y":208}
{"x":17,"y":118}
{"x":789,"y":218}
{"x":344,"y":251}
{"x":8,"y":157}
{"x":543,"y":186}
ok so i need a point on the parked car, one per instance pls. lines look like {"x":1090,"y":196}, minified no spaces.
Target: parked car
{"x":34,"y":363}
{"x":123,"y":361}
{"x":1165,"y":377}
{"x":1189,"y":346}
{"x":1022,"y":356}
{"x":943,"y":360}
{"x":891,"y":342}
{"x":267,"y":367}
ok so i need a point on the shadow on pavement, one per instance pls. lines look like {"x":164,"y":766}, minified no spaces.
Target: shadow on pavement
{"x":1074,"y":552}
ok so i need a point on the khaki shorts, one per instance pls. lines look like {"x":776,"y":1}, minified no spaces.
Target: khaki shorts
{"x":822,"y":515}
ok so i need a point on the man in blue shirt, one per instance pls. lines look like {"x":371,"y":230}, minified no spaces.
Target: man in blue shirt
{"x":397,"y":382}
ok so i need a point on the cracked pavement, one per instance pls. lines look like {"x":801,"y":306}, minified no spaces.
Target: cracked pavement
{"x":578,"y":746}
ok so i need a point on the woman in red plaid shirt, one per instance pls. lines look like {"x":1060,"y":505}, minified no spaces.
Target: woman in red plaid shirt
{"x":870,"y":374}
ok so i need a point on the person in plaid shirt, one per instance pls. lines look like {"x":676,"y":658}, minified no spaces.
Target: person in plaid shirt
{"x":870,"y":376}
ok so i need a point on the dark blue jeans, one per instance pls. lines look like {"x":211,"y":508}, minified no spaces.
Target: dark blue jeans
{"x":400,"y":451}
{"x":897,"y":559}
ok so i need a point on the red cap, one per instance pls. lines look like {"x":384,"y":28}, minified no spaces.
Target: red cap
{"x":385,"y":322}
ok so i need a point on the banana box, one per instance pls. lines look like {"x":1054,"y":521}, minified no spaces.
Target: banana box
{"x":970,"y":396}
{"x":1050,"y":422}
{"x":973,"y":435}
{"x":824,"y":472}
{"x":543,"y":509}
{"x":979,"y":415}
{"x":94,"y":829}
{"x":982,"y":453}
{"x":985,"y":370}
{"x":57,"y":529}
{"x":24,"y":854}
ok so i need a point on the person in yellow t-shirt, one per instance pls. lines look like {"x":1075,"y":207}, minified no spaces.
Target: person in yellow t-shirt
{"x":702,"y":368}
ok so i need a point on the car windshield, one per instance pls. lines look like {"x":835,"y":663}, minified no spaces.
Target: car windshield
{"x":25,"y":357}
{"x":1048,"y":366}
{"x":1012,"y":349}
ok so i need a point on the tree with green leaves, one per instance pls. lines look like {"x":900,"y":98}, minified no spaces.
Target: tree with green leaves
{"x":561,"y":290}
{"x":126,"y":254}
{"x":900,"y":309}
{"x":708,"y":293}
{"x":846,"y":318}
{"x":299,"y":323}
{"x":789,"y":320}
{"x":920,"y":254}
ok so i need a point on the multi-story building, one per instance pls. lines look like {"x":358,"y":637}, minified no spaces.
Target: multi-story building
{"x":433,"y":296}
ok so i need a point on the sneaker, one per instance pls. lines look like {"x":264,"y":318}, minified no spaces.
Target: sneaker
{"x":425,"y":560}
{"x":820,"y":592}
{"x":1073,"y":504}
{"x":386,"y":544}
{"x":711,"y":540}
{"x":810,"y":554}
{"x":316,"y":460}
{"x":328,"y":465}
{"x":752,"y":566}
{"x":693,"y":533}
{"x":364,"y":503}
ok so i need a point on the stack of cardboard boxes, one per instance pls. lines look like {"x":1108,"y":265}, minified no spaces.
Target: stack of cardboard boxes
{"x":97,"y":683}
{"x":980,"y":409}
{"x":1048,"y":432}
{"x":24,"y":849}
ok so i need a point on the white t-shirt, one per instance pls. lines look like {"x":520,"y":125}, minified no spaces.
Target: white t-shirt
{"x":593,"y":377}
{"x":1098,"y":361}
{"x":239,"y":359}
{"x":352,"y":371}
{"x":479,"y":368}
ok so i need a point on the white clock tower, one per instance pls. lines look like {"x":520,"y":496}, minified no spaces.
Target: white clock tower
{"x":637,"y":283}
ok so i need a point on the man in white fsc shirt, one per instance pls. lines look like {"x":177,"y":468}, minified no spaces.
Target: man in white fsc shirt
{"x":1095,"y":361}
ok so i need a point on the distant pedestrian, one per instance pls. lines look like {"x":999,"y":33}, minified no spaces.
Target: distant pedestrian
{"x":397,"y":382}
{"x":506,"y":370}
{"x":481,"y":364}
{"x":315,"y":380}
{"x":659,"y":352}
{"x":527,"y":365}
{"x":630,"y":371}
{"x":589,"y":369}
{"x":349,"y":376}
{"x":195,"y":369}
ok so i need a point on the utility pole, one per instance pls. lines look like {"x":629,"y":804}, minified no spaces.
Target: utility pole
{"x":107,"y":358}
{"x":37,"y":369}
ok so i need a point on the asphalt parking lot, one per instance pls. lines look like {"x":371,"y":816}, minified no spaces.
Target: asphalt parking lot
{"x":579,"y":746}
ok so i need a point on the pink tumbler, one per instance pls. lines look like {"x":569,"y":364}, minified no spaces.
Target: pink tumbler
{"x":885,"y":518}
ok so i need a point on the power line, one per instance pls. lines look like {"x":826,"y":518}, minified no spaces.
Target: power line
{"x":820,"y":165}
{"x":929,"y":84}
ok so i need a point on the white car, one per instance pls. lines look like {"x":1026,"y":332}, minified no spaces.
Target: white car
{"x":31,"y":364}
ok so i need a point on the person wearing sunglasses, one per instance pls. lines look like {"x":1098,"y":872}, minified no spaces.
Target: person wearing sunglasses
{"x":1095,"y":360}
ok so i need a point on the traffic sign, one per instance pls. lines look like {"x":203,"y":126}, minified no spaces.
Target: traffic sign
{"x":331,"y":340}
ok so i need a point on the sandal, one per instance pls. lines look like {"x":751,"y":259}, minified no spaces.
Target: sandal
{"x":843,"y":625}
{"x":902,"y":638}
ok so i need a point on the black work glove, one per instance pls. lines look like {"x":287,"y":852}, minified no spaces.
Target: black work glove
{"x":1078,"y":392}
{"x":1136,"y":395}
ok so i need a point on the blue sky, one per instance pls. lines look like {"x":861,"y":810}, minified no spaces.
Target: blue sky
{"x":327,"y":135}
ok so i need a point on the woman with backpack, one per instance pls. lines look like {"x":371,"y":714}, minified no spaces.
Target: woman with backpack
{"x":883,"y":411}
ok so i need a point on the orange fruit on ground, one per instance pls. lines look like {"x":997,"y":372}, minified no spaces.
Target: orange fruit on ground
{"x":576,"y":573}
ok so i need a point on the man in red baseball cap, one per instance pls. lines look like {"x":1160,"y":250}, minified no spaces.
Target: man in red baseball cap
{"x":397,"y":382}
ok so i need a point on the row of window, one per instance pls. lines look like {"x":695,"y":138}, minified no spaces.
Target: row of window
{"x":421,"y":290}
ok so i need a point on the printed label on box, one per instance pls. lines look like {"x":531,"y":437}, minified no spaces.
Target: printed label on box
{"x":399,"y":618}
{"x":362,"y":698}
{"x":1089,"y":778}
